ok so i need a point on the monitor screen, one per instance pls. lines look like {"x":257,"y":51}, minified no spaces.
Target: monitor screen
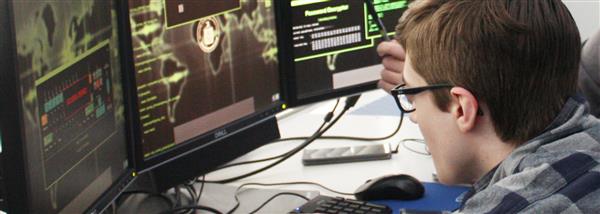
{"x":68,"y":75}
{"x":334,"y":47}
{"x":201,"y":70}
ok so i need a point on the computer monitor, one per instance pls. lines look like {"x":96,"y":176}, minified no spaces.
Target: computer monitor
{"x":332,"y":47}
{"x":201,"y":72}
{"x":63,"y":132}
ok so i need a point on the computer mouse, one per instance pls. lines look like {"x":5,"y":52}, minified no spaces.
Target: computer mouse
{"x":401,"y":187}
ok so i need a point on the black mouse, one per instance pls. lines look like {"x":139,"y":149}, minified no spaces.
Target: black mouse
{"x":402,"y":187}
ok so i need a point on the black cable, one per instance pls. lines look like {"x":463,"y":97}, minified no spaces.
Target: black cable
{"x":288,"y":155}
{"x":177,"y":196}
{"x":194,"y":207}
{"x":277,"y":195}
{"x":331,"y":113}
{"x":322,"y":137}
{"x":348,"y":137}
{"x":326,"y":120}
{"x":371,"y":10}
{"x":350,"y":102}
{"x":201,"y":189}
{"x":193,"y":202}
{"x":192,"y":193}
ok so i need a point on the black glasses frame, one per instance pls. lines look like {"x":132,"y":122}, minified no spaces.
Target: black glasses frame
{"x":400,"y":90}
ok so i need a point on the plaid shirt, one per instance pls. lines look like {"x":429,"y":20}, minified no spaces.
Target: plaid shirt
{"x":556,"y":172}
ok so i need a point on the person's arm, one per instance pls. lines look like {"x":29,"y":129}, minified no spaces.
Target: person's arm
{"x":589,"y":73}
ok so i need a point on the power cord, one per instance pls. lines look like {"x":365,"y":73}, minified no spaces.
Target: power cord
{"x":350,"y":102}
{"x":326,"y":120}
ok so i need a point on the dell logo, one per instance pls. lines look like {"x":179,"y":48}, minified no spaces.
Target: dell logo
{"x":220,"y":133}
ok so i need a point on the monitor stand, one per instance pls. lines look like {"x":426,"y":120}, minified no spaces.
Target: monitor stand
{"x":208,"y":158}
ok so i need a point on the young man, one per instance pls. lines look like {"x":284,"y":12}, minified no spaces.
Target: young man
{"x":589,"y":73}
{"x":492,"y":85}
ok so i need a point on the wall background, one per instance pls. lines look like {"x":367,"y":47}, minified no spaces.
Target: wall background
{"x":587,"y":15}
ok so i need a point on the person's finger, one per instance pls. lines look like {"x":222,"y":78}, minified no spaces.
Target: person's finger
{"x":391,"y":77}
{"x":393,"y":64}
{"x":391,"y":48}
{"x":387,"y":87}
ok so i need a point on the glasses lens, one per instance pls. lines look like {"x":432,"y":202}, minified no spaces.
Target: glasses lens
{"x":405,"y":103}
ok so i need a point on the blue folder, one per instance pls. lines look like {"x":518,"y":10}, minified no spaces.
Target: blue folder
{"x":438,"y":197}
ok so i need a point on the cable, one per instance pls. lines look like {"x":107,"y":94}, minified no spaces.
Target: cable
{"x":193,"y":201}
{"x":297,"y":183}
{"x":192,"y":193}
{"x":237,"y":191}
{"x":326,"y":119}
{"x":322,"y":137}
{"x":277,"y":195}
{"x":194,"y":207}
{"x":201,"y":189}
{"x":177,"y":196}
{"x":371,"y":10}
{"x":350,"y":102}
{"x":286,"y":156}
{"x":305,"y":138}
{"x":403,"y":142}
{"x":348,"y":137}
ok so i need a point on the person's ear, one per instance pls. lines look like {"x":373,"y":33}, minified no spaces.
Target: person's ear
{"x":464,"y":108}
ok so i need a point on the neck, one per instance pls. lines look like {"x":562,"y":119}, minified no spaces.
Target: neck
{"x":490,"y":154}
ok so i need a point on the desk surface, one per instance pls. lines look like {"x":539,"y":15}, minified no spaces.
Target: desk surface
{"x":371,"y":117}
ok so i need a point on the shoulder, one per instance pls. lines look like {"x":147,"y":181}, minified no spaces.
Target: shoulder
{"x":592,"y":46}
{"x":579,"y":196}
{"x":589,"y":73}
{"x":590,"y":57}
{"x":554,"y":185}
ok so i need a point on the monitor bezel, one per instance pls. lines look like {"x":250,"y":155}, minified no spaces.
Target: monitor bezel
{"x":199,"y":142}
{"x":289,"y":75}
{"x":13,"y":159}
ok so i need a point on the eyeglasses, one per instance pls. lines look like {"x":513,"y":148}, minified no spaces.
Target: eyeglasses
{"x":400,"y":94}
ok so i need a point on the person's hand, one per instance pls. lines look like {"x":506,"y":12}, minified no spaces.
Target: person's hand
{"x":393,"y":64}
